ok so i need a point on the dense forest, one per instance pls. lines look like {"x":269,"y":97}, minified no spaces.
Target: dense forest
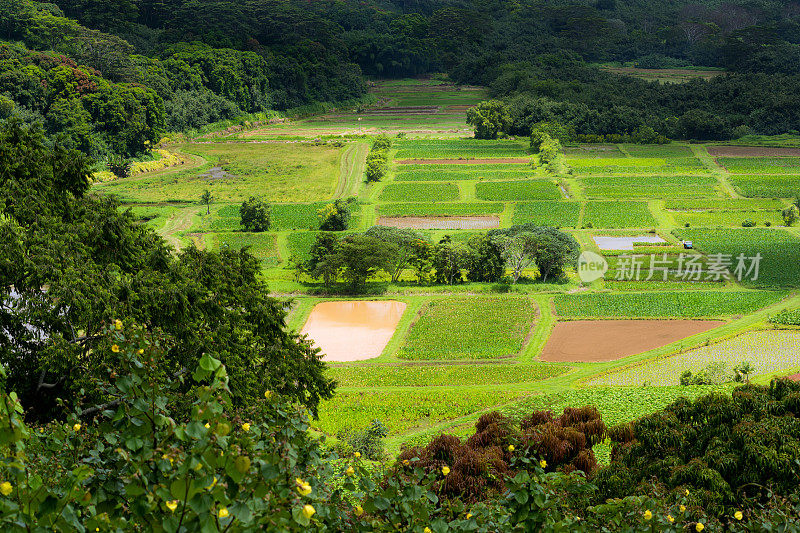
{"x":112,"y":77}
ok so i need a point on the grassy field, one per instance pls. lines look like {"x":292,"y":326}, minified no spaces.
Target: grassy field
{"x":618,"y":215}
{"x":670,"y":187}
{"x":463,"y":172}
{"x":447,"y":329}
{"x":761,"y":186}
{"x":295,"y":172}
{"x":443,"y":209}
{"x":442,"y":375}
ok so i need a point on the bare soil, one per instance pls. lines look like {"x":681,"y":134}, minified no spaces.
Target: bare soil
{"x":440,"y":222}
{"x":589,"y":341}
{"x":510,"y":160}
{"x":752,"y":151}
{"x":794,"y":377}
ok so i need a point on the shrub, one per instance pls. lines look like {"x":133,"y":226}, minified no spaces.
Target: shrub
{"x":748,"y":224}
{"x":119,"y":166}
{"x":335,"y":216}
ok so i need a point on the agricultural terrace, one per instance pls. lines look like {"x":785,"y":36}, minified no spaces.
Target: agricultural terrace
{"x":425,"y":356}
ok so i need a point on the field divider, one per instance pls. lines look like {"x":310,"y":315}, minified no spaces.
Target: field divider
{"x":722,"y":175}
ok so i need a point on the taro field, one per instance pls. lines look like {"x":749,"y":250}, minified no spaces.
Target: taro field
{"x":461,"y":350}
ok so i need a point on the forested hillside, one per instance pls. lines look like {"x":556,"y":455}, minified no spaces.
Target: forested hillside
{"x":91,"y":68}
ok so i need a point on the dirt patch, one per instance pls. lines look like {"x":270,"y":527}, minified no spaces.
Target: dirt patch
{"x":794,"y":377}
{"x":353,"y":331}
{"x":588,"y":341}
{"x":752,"y":151}
{"x":510,"y":160}
{"x":440,"y":222}
{"x":215,"y":173}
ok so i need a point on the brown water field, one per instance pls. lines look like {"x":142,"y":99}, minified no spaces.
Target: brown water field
{"x":353,"y":331}
{"x":587,"y":341}
{"x":440,"y":222}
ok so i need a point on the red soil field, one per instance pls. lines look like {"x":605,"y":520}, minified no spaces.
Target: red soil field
{"x":752,"y":151}
{"x":794,"y":377}
{"x":510,"y":160}
{"x":588,"y":341}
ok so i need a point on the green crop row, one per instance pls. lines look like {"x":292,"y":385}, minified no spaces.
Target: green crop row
{"x":441,"y":375}
{"x":779,"y":250}
{"x":768,"y":186}
{"x":443,"y":209}
{"x":420,"y":192}
{"x":787,"y":318}
{"x":618,"y":215}
{"x":402,"y":411}
{"x":262,"y":245}
{"x":722,"y":204}
{"x":664,"y":304}
{"x":649,"y":186}
{"x":512,"y":191}
{"x":463,"y":172}
{"x":557,"y":214}
{"x":761,"y":165}
{"x":470,"y":328}
{"x":455,"y":148}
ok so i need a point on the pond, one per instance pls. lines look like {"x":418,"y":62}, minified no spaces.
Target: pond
{"x":353,"y":330}
{"x":624,"y":243}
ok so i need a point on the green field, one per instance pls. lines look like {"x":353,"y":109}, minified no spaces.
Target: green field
{"x":557,"y":214}
{"x":447,"y":329}
{"x":296,"y":172}
{"x":463,"y":172}
{"x":514,"y":191}
{"x":649,"y":186}
{"x":262,"y":245}
{"x":780,"y":252}
{"x":443,"y":209}
{"x":760,"y":186}
{"x":618,"y":215}
{"x":664,"y":304}
{"x":761,"y":165}
{"x":420,"y":192}
{"x":459,"y":148}
{"x":431,"y":375}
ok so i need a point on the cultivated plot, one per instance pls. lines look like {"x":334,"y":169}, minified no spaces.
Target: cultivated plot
{"x":608,"y":340}
{"x":766,"y":351}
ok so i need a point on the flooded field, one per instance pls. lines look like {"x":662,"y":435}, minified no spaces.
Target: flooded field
{"x":353,"y":331}
{"x":624,"y":243}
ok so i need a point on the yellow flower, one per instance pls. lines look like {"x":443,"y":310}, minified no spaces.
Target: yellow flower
{"x":115,"y":348}
{"x":737,"y":515}
{"x":213,"y":484}
{"x":670,"y":519}
{"x":172,"y":505}
{"x":543,"y":463}
{"x":699,"y":527}
{"x":686,"y":492}
{"x":208,"y":425}
{"x":350,"y":471}
{"x":683,"y":508}
{"x":267,"y":394}
{"x":511,"y":447}
{"x":303,"y":488}
{"x":357,"y":455}
{"x":648,"y":515}
{"x":469,"y":515}
{"x":308,"y":511}
{"x":140,"y":351}
{"x":198,"y":466}
{"x":6,"y":488}
{"x":406,"y":462}
{"x":76,"y":428}
{"x":445,"y":470}
{"x":118,"y":324}
{"x":358,"y":510}
{"x":427,"y":530}
{"x":246,"y":426}
{"x":223,"y":513}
